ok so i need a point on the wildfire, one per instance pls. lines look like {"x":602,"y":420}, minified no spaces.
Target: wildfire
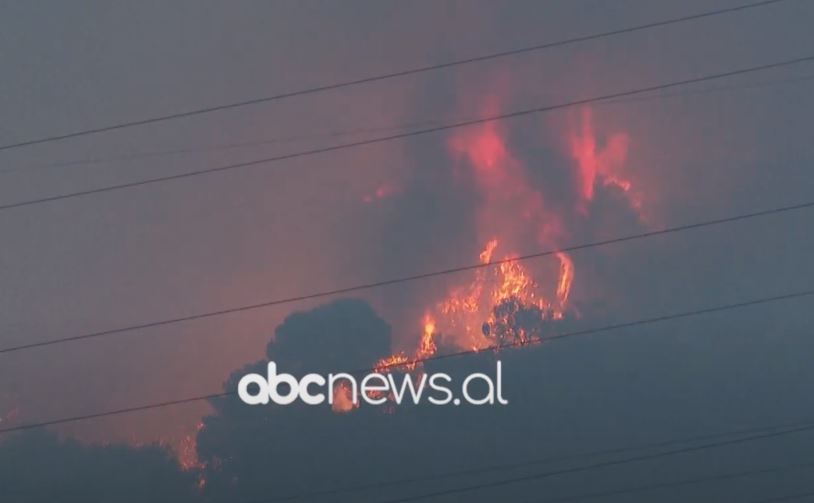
{"x":504,"y":302}
{"x":187,"y":450}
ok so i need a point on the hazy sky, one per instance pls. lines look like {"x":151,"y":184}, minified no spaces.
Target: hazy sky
{"x":279,"y":230}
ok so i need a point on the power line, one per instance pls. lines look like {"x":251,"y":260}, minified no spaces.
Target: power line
{"x":594,"y":466}
{"x":386,"y":76}
{"x":498,"y":347}
{"x":403,"y":279}
{"x":679,"y":483}
{"x":224,"y":146}
{"x":340,"y":133}
{"x":519,"y":464}
{"x":790,"y":497}
{"x":398,"y":136}
{"x":710,"y":90}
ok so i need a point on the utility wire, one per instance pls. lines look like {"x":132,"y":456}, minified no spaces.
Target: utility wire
{"x":386,"y":76}
{"x":594,"y":466}
{"x":591,"y":331}
{"x":397,"y":136}
{"x":679,"y":483}
{"x":403,"y":279}
{"x":519,"y":464}
{"x":343,"y":133}
{"x":790,"y":497}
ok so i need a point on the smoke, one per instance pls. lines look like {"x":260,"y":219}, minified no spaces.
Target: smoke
{"x":576,"y":395}
{"x":424,"y":204}
{"x":513,"y":187}
{"x":345,"y":334}
{"x":564,"y":398}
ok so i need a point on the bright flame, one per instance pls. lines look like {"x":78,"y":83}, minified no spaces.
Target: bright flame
{"x":395,"y":360}
{"x":502,"y":304}
{"x":426,"y":346}
{"x":566,"y":278}
{"x":187,"y":450}
{"x":486,"y":254}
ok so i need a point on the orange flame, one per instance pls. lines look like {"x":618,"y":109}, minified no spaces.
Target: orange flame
{"x":426,"y":346}
{"x":504,"y":303}
{"x":394,"y":360}
{"x":483,"y":313}
{"x":187,"y":450}
{"x":566,"y":278}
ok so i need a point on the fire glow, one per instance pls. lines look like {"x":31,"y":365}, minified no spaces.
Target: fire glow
{"x":507,"y":302}
{"x":599,"y":165}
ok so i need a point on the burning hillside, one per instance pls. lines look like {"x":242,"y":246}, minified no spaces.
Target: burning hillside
{"x":514,"y":302}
